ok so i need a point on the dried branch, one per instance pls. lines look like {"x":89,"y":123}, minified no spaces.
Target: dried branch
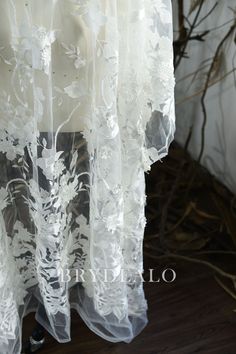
{"x":211,"y":83}
{"x":184,"y":33}
{"x":197,"y":261}
{"x":220,"y":45}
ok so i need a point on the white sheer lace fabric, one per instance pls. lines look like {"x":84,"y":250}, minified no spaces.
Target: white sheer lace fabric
{"x":86,"y":106}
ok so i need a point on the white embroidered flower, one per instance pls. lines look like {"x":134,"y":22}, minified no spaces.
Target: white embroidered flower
{"x":59,"y":167}
{"x":111,"y":122}
{"x":41,"y":48}
{"x":73,"y":52}
{"x":146,"y":161}
{"x":162,"y":75}
{"x":111,"y":223}
{"x":50,"y":163}
{"x":105,"y":152}
{"x":22,"y":242}
{"x":77,"y":89}
{"x":106,"y":122}
{"x":67,"y":191}
{"x":35,"y":46}
{"x":17,"y":128}
{"x":142,"y":222}
{"x":54,"y":223}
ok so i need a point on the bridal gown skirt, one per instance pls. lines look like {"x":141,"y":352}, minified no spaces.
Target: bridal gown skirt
{"x":86,"y":107}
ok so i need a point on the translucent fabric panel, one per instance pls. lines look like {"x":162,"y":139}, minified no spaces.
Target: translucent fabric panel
{"x":86,"y":106}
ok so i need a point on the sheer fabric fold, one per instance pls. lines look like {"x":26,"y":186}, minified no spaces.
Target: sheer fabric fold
{"x":86,"y":107}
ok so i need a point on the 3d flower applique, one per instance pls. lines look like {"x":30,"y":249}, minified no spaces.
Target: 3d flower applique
{"x":50,"y":163}
{"x":146,"y":162}
{"x":68,"y":189}
{"x":87,"y":134}
{"x":34,"y":46}
{"x":73,"y":52}
{"x":111,"y":213}
{"x":111,"y":122}
{"x":117,"y":190}
{"x":105,"y":152}
{"x":112,"y":223}
{"x":106,"y":122}
{"x":41,"y":48}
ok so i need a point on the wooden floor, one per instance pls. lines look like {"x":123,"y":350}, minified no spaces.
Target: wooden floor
{"x":191,"y":315}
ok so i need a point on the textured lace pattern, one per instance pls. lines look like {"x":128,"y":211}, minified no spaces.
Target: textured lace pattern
{"x":86,"y":106}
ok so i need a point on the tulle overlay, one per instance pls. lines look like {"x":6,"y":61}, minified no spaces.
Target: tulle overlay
{"x":86,"y":107}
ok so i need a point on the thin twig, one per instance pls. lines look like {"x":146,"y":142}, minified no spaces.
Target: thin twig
{"x":177,"y":62}
{"x":232,"y":253}
{"x":207,"y":15}
{"x":226,"y":289}
{"x":228,"y":34}
{"x":212,"y":83}
{"x":195,"y":260}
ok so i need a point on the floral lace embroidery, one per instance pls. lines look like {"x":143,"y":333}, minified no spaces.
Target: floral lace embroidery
{"x":82,"y":212}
